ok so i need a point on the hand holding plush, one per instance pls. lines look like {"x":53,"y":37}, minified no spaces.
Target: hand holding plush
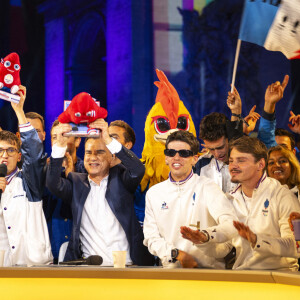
{"x":82,"y":109}
{"x":10,"y":72}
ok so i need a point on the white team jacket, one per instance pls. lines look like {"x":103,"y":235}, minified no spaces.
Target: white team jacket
{"x":23,"y":228}
{"x":170,"y":205}
{"x":270,"y":207}
{"x":26,"y":227}
{"x":216,"y":170}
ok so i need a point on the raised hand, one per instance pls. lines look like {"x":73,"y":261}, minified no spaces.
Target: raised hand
{"x":102,"y":125}
{"x":18,"y":107}
{"x":274,"y":93}
{"x":234,"y":103}
{"x":245,"y":232}
{"x":195,"y":236}
{"x":251,"y":119}
{"x":68,"y":164}
{"x":295,"y":123}
{"x":61,"y":140}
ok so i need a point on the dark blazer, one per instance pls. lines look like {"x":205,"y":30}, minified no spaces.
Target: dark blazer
{"x":123,"y":180}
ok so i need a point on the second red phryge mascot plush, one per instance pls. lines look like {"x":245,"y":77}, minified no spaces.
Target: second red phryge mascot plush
{"x":10,"y":73}
{"x":82,"y":109}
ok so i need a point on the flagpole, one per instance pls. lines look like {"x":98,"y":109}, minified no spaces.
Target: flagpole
{"x":237,"y":53}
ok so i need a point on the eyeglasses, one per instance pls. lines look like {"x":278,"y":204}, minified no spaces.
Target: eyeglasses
{"x":9,"y":151}
{"x":182,"y":153}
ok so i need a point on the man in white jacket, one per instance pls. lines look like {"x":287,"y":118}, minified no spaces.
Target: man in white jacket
{"x":263,"y":206}
{"x":23,"y":229}
{"x":183,"y":199}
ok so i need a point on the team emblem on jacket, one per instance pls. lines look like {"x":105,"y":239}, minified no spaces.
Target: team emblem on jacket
{"x":194,"y":198}
{"x":164,"y":206}
{"x":265,"y":210}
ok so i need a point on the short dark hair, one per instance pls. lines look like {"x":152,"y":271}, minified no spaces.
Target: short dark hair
{"x":254,"y":146}
{"x":11,"y":138}
{"x":186,"y":137}
{"x":34,"y":115}
{"x":129,"y":134}
{"x":284,"y":132}
{"x":213,"y":127}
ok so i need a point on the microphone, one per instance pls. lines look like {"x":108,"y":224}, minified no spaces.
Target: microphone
{"x":3,"y":173}
{"x":91,"y":260}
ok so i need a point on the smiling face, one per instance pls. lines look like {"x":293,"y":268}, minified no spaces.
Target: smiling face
{"x":9,"y":161}
{"x":97,"y":159}
{"x":180,"y":167}
{"x":279,"y":167}
{"x":218,"y":148}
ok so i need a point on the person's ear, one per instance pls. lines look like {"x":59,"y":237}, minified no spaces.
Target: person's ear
{"x":261,"y":164}
{"x":195,"y":159}
{"x":128,"y":145}
{"x":44,"y":136}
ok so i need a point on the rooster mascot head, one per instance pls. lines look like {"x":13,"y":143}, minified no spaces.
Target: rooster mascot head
{"x":167,"y":115}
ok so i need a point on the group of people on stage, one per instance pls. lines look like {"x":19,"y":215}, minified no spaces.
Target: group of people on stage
{"x":230,"y":206}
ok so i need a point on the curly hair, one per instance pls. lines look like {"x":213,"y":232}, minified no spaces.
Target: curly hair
{"x":213,"y":127}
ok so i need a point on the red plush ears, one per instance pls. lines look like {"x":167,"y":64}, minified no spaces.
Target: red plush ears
{"x":82,"y":109}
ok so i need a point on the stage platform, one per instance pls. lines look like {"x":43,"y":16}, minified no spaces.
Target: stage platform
{"x":91,"y":282}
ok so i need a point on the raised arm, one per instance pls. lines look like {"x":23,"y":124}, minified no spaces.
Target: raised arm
{"x":60,"y":187}
{"x":274,"y":93}
{"x":234,"y":128}
{"x":32,"y":149}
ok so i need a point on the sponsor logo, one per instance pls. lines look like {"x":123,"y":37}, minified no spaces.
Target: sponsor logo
{"x":164,"y":206}
{"x":265,"y":211}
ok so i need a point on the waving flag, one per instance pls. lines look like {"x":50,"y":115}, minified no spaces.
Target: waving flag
{"x":273,"y":24}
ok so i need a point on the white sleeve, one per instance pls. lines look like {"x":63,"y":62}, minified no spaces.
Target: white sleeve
{"x":156,"y":244}
{"x":58,"y":152}
{"x":217,"y":250}
{"x":114,"y":146}
{"x":285,"y":245}
{"x":222,"y":211}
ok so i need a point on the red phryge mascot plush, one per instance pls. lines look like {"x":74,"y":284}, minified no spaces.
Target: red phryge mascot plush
{"x":82,"y":109}
{"x":10,"y":73}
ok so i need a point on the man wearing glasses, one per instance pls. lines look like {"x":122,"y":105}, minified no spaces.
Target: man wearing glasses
{"x":23,"y":229}
{"x":185,"y":199}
